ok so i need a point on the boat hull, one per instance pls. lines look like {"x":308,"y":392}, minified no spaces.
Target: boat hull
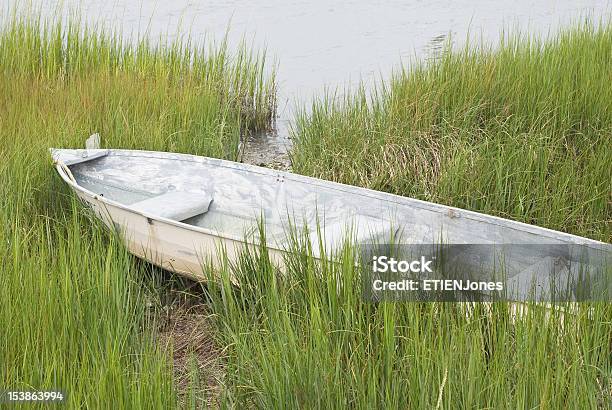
{"x":187,"y":248}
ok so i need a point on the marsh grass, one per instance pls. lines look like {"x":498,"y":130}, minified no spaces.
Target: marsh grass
{"x":521,"y":131}
{"x":74,"y":313}
{"x":305,"y":337}
{"x":74,"y":302}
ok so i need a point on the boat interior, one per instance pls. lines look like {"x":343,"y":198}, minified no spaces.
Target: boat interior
{"x":231,"y":200}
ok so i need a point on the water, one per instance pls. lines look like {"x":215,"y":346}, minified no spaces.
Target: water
{"x":321,"y":44}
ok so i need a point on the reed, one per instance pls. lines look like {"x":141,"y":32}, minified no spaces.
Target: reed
{"x":304,"y":337}
{"x":74,"y":304}
{"x":522,"y":131}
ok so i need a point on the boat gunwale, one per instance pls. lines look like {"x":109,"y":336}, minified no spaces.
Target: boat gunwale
{"x":393,"y":198}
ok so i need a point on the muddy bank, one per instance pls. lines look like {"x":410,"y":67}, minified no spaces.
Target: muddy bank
{"x":268,"y":149}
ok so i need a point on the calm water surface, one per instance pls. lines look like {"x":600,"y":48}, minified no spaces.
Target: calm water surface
{"x":321,"y":44}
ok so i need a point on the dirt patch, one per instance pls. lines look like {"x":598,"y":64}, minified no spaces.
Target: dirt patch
{"x":268,"y":149}
{"x":186,"y":330}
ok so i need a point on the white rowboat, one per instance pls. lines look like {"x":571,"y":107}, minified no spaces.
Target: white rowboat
{"x":174,"y":210}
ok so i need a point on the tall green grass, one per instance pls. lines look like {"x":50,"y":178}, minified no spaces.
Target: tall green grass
{"x":73,"y":313}
{"x":306,"y":338}
{"x":522,"y":130}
